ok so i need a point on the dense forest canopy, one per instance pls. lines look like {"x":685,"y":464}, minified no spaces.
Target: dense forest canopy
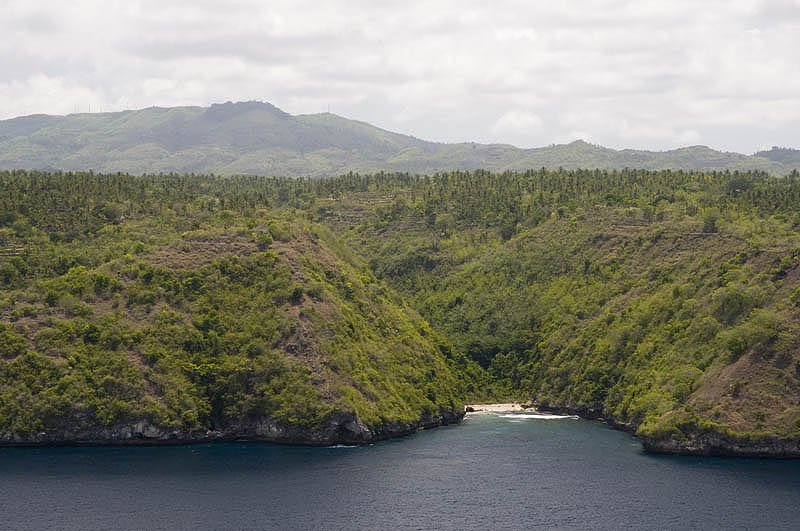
{"x":171,"y":301}
{"x":667,"y":300}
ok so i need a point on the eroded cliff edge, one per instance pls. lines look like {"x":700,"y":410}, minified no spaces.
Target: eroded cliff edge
{"x":688,"y":438}
{"x":340,"y":428}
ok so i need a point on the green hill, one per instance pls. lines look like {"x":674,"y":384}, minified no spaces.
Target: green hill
{"x":259,"y":139}
{"x":785,"y":156}
{"x":665,"y":302}
{"x":172,"y":310}
{"x":190,"y":307}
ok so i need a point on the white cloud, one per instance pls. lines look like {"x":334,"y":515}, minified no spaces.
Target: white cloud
{"x":517,"y":123}
{"x":622,"y":73}
{"x":55,"y":94}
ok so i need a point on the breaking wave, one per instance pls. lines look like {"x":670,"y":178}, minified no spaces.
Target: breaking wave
{"x":541,"y":416}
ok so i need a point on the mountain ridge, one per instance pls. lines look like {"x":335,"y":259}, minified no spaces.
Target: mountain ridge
{"x":259,"y":138}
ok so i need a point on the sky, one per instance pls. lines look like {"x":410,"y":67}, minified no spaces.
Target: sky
{"x":640,"y":74}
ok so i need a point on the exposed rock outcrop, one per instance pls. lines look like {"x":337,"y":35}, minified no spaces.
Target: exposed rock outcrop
{"x":709,"y":442}
{"x":133,"y":433}
{"x":341,"y":428}
{"x":702,"y":442}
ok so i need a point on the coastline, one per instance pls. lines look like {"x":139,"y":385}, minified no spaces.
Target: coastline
{"x":705,"y":442}
{"x":343,"y":428}
{"x":347,"y":429}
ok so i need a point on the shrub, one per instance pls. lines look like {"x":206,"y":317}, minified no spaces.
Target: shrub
{"x":8,"y":274}
{"x":280,"y":231}
{"x":263,"y":240}
{"x":11,"y":344}
{"x":731,"y":304}
{"x":710,"y":222}
{"x":51,"y":297}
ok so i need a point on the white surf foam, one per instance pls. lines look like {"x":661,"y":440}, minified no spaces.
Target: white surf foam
{"x":541,"y":416}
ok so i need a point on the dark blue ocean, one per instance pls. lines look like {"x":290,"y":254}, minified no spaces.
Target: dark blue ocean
{"x":491,"y":472}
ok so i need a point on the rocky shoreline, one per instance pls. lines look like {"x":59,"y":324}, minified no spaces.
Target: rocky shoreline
{"x":341,"y":428}
{"x":713,"y":443}
{"x":345,"y":428}
{"x":705,"y":442}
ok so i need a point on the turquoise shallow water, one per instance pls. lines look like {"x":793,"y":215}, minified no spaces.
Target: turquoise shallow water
{"x":492,"y":472}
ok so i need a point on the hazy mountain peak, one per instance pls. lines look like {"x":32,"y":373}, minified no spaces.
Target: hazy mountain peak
{"x":230,"y":110}
{"x":783,"y":155}
{"x":256,"y":137}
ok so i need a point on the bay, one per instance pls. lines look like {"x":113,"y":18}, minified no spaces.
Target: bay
{"x":491,"y":472}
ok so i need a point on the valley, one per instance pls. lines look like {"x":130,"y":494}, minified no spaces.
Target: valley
{"x":353,"y":308}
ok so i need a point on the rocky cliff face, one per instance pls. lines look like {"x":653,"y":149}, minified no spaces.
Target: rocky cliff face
{"x":712,"y":443}
{"x":341,"y":428}
{"x":701,"y":442}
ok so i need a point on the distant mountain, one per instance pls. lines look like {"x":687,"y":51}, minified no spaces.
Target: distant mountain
{"x":259,"y":138}
{"x":786,"y":156}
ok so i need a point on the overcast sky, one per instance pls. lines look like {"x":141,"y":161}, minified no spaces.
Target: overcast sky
{"x":644,"y":74}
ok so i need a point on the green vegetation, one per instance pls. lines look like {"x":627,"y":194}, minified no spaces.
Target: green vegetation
{"x":168,"y":300}
{"x":668,"y":300}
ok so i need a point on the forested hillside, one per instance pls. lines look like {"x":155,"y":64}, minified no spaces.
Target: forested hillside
{"x":786,"y":156}
{"x":668,"y":302}
{"x":260,"y":139}
{"x":181,"y":308}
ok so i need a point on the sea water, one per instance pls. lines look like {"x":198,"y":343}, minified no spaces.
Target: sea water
{"x":494,"y":471}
